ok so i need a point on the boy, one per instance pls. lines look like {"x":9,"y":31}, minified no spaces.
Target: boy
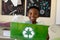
{"x":33,"y":14}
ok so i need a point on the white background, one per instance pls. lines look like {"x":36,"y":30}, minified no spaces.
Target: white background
{"x":58,"y":12}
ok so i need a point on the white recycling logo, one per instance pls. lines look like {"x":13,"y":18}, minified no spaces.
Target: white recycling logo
{"x":28,"y":32}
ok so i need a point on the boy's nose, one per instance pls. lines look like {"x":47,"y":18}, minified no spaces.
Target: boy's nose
{"x":32,"y":15}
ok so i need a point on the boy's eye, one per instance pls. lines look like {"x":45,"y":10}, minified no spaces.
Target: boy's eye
{"x":30,"y":13}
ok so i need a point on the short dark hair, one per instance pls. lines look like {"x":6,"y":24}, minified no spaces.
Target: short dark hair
{"x":33,"y":7}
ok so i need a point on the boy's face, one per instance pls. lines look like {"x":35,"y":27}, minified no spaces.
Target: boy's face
{"x":33,"y":14}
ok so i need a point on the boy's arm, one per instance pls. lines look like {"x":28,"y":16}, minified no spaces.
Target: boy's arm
{"x":6,"y":24}
{"x":48,"y":37}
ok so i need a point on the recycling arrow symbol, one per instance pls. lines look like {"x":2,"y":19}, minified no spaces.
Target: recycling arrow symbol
{"x":28,"y":32}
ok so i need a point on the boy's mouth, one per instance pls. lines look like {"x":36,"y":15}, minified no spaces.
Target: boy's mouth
{"x":32,"y":18}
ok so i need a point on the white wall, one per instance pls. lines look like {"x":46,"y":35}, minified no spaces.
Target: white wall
{"x":58,"y":12}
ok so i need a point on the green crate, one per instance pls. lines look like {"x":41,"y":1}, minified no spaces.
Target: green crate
{"x":24,"y":31}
